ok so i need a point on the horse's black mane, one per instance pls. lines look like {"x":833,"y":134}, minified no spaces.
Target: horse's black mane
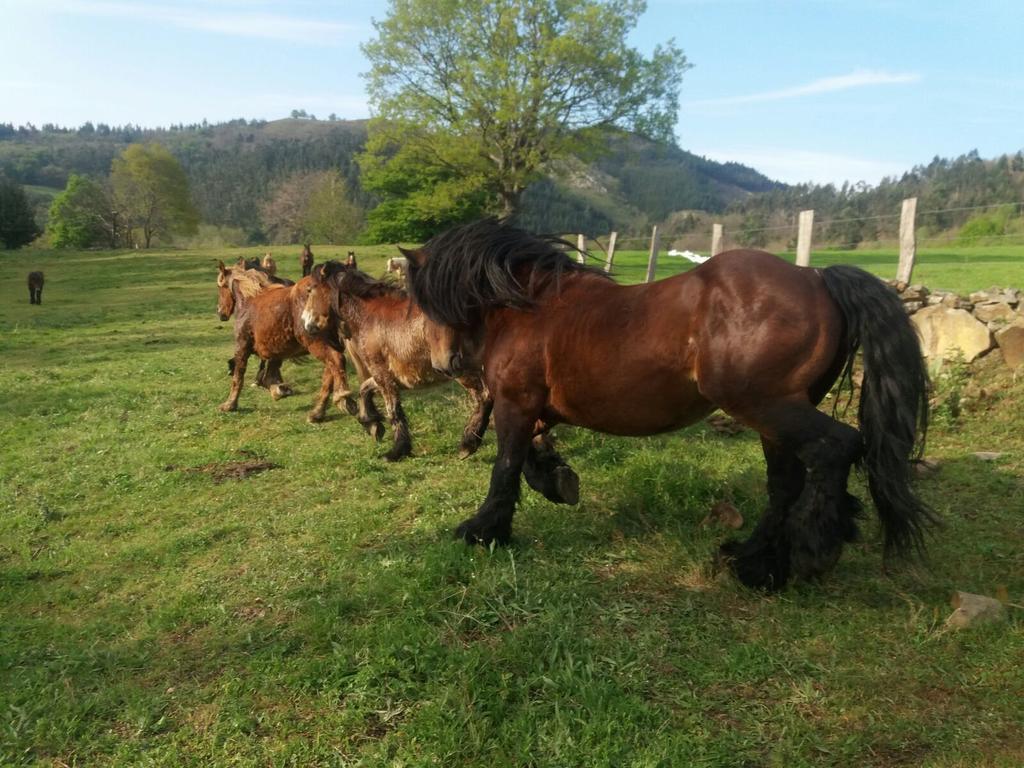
{"x":482,"y":265}
{"x":356,"y":283}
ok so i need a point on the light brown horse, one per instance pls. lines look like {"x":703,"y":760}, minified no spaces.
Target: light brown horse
{"x":745,"y":332}
{"x":392,"y":338}
{"x":268,"y":264}
{"x":35,"y":287}
{"x":267,"y":322}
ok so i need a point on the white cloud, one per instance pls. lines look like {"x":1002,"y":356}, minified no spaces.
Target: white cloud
{"x":226,"y":21}
{"x":795,"y":166}
{"x":859,"y":78}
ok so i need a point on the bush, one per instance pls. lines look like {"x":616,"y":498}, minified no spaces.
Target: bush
{"x":17,"y":222}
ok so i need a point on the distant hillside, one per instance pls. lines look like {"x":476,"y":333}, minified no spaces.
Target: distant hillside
{"x":232,"y":167}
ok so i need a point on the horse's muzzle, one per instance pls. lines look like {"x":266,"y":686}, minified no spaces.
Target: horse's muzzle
{"x":454,"y":367}
{"x":222,"y":316}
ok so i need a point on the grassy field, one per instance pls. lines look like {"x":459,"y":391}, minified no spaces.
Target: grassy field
{"x":319,"y":613}
{"x":962,"y":269}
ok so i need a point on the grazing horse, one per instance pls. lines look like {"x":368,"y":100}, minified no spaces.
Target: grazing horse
{"x":392,"y":338}
{"x":267,"y":323}
{"x":746,"y":332}
{"x":35,"y":287}
{"x":306,"y":260}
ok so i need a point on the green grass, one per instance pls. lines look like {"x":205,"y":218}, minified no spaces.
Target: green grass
{"x":320,"y":614}
{"x":964,"y":269}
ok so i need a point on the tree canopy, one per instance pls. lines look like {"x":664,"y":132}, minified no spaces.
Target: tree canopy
{"x":82,"y":215}
{"x":17,"y":224}
{"x":151,"y":192}
{"x":488,"y":92}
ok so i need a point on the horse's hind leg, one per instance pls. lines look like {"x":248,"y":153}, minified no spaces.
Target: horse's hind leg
{"x":811,"y":515}
{"x":473,"y":434}
{"x":548,"y":474}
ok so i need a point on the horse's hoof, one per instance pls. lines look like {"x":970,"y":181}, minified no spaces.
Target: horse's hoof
{"x":315,"y":417}
{"x":376,"y":430}
{"x":351,"y":406}
{"x":757,"y":570}
{"x":568,"y":484}
{"x":280,"y":391}
{"x":398,"y":453}
{"x":472,"y":531}
{"x":466,"y":450}
{"x":228,"y":407}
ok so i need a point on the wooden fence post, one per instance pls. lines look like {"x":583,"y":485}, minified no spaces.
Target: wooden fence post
{"x":908,"y":241}
{"x":652,"y":259}
{"x":581,"y":245}
{"x":611,"y":252}
{"x":716,"y":239}
{"x":803,"y":238}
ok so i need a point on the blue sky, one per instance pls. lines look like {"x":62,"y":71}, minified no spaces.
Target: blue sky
{"x":822,"y":90}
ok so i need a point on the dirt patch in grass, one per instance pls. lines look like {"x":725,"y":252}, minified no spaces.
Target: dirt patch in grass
{"x":221,"y":471}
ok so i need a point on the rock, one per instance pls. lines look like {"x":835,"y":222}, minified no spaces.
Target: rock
{"x":944,"y":331}
{"x":914,"y":293}
{"x":912,"y":306}
{"x":987,"y":455}
{"x":1011,"y":344}
{"x":725,"y":514}
{"x":925,"y":466}
{"x":994,"y":312}
{"x":972,"y":610}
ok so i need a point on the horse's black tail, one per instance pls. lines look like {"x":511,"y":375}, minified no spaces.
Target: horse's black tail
{"x":893,"y":411}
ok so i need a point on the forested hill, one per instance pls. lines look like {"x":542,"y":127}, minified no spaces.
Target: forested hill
{"x":233,"y":166}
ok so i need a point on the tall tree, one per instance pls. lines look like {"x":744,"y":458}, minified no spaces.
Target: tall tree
{"x":83,"y":215}
{"x":313,"y":206}
{"x":17,"y":224}
{"x":501,"y":87}
{"x":151,"y":192}
{"x":332,"y":216}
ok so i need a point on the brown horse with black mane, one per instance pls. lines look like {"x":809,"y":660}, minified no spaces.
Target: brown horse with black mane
{"x":392,"y":338}
{"x":35,"y":287}
{"x":745,"y":332}
{"x":267,"y":322}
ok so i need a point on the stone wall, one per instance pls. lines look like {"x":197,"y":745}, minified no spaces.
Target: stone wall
{"x":971,"y":325}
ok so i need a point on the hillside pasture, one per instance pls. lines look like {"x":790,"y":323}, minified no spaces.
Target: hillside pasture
{"x":160,"y":606}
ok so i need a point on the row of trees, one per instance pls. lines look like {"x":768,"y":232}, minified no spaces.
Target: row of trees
{"x":949,"y":192}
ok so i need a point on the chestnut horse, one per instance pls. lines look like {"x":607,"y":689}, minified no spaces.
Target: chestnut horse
{"x":35,"y":287}
{"x":267,"y":323}
{"x":391,"y":337}
{"x":745,"y":332}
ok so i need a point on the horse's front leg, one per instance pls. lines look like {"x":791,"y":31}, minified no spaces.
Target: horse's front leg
{"x":493,"y":521}
{"x":483,"y":403}
{"x":368,"y":415}
{"x":243,"y":348}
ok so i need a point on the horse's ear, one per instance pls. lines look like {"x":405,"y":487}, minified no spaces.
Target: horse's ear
{"x":415,"y":256}
{"x":351,"y":260}
{"x":221,"y":267}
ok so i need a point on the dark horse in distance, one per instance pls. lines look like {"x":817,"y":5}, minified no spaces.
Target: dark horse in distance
{"x":745,"y":332}
{"x":35,"y":287}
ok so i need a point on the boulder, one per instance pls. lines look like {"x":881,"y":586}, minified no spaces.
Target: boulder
{"x":1011,"y":344}
{"x":944,"y":331}
{"x":994,"y":312}
{"x":972,"y":610}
